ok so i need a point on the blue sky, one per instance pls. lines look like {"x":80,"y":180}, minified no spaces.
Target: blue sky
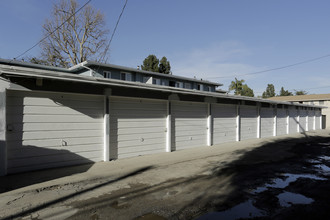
{"x":203,"y":39}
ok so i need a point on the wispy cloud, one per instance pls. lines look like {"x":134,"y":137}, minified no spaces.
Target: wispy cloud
{"x":216,"y":60}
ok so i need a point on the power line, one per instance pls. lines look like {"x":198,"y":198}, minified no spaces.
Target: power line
{"x":273,"y":69}
{"x":114,"y":31}
{"x":52,"y":31}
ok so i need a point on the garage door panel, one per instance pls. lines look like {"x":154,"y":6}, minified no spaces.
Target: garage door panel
{"x":50,"y":110}
{"x":30,"y":102}
{"x":224,"y":123}
{"x":293,"y":120}
{"x":189,"y":125}
{"x":302,"y":120}
{"x":46,"y":123}
{"x":281,"y":122}
{"x":266,"y":122}
{"x":310,"y":120}
{"x":19,"y":127}
{"x":129,"y":142}
{"x":53,"y":158}
{"x":138,"y":136}
{"x":145,"y":114}
{"x":40,"y":135}
{"x":48,"y":143}
{"x":249,"y":122}
{"x":318,"y":119}
{"x":148,"y":130}
{"x":27,"y":151}
{"x":137,"y":126}
{"x":55,"y":118}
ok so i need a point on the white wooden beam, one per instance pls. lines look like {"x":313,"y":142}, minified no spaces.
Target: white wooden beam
{"x":106,"y":151}
{"x":209,"y":125}
{"x":168,"y":128}
{"x":238,"y":122}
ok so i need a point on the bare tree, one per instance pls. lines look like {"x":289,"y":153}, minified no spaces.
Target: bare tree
{"x":77,"y":36}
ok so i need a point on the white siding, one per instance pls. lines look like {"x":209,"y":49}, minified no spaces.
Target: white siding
{"x":281,"y":124}
{"x":311,"y":120}
{"x":224,"y":123}
{"x":302,"y":120}
{"x":267,"y":122}
{"x":137,"y":127}
{"x":293,"y":120}
{"x":53,"y":129}
{"x":249,"y":122}
{"x":189,"y":125}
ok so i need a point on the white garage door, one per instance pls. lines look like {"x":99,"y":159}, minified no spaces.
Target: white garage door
{"x":302,"y":120}
{"x":281,"y":122}
{"x":317,"y":119}
{"x":311,"y":120}
{"x":137,"y":127}
{"x":53,"y":129}
{"x":224,"y":123}
{"x":249,"y":122}
{"x":293,"y":120}
{"x":267,"y":122}
{"x":189,"y":125}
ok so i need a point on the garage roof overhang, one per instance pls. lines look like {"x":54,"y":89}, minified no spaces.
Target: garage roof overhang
{"x":9,"y":72}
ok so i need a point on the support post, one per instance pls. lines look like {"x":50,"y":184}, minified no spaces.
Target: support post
{"x":298,"y":119}
{"x":209,"y":125}
{"x":275,"y":120}
{"x":238,"y":122}
{"x":168,"y":128}
{"x":258,"y":121}
{"x":106,"y":151}
{"x":287,"y":121}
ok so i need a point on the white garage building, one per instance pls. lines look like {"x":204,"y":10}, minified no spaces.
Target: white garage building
{"x":52,"y":117}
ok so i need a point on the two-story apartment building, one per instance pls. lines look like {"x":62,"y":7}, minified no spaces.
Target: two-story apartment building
{"x":110,"y":71}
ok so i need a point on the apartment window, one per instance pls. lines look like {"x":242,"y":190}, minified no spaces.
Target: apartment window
{"x":156,"y":81}
{"x":199,"y":87}
{"x":187,"y":85}
{"x":179,"y":84}
{"x":207,"y":88}
{"x":126,"y":76}
{"x":107,"y":74}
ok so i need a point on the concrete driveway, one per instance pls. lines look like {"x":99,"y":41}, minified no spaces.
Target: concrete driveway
{"x":177,"y":185}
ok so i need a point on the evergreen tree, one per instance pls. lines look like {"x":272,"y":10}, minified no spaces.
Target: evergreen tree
{"x":164,"y":66}
{"x":151,"y":63}
{"x":300,"y":92}
{"x":284,"y":92}
{"x":270,"y":91}
{"x":247,"y":91}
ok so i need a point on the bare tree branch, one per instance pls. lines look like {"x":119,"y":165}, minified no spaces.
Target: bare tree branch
{"x":82,"y":37}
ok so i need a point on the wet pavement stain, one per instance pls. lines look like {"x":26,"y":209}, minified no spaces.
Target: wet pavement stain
{"x":288,"y":199}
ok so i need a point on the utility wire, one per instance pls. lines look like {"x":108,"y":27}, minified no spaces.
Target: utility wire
{"x":273,"y":69}
{"x":52,"y":31}
{"x":114,"y":31}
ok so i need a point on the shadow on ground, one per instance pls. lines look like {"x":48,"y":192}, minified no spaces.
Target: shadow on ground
{"x":64,"y":198}
{"x":225,"y":185}
{"x":20,"y":180}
